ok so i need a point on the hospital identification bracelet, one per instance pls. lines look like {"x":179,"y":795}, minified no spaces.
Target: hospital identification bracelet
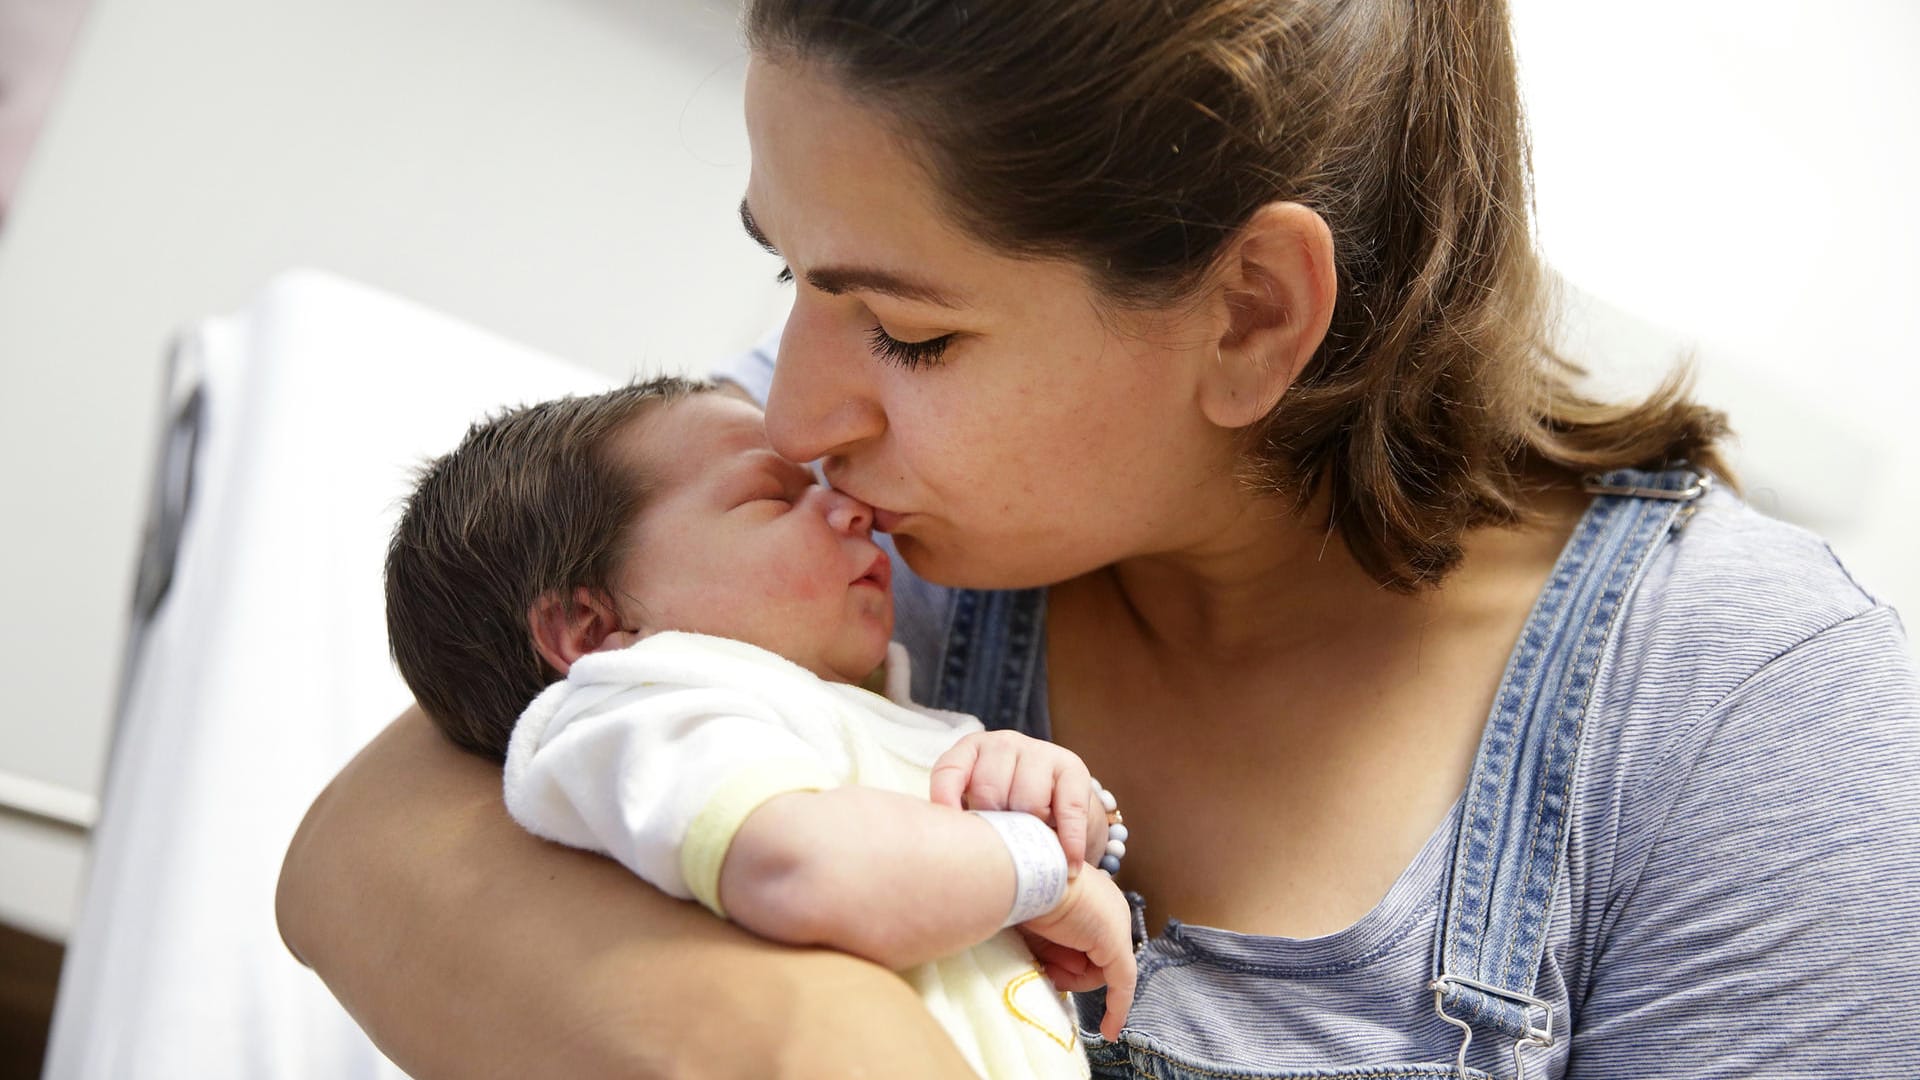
{"x":1039,"y":866}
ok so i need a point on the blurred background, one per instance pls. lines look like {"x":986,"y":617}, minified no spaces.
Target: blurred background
{"x":1734,"y":185}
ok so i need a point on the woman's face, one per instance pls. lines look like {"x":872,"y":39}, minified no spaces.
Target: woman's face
{"x":1007,"y":432}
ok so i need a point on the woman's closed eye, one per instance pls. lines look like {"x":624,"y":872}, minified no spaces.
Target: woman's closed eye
{"x":907,"y":354}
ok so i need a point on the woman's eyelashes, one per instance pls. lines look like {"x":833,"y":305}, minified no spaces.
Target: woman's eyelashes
{"x":907,"y":354}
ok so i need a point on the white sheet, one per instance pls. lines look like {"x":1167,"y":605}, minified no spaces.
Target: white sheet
{"x":263,"y":670}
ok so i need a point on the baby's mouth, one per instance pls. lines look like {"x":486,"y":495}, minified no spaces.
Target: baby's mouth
{"x":880,"y":574}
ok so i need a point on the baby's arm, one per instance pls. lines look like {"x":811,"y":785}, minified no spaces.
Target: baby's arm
{"x":901,"y":881}
{"x":875,"y":873}
{"x":711,"y":793}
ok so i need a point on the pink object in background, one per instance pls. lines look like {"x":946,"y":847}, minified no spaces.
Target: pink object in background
{"x":36,"y":37}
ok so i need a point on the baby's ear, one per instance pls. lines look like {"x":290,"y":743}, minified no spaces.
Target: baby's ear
{"x":568,"y":627}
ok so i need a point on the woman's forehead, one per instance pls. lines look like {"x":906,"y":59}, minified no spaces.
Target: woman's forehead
{"x":832,"y":184}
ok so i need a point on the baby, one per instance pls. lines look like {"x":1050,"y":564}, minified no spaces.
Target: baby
{"x":701,"y":629}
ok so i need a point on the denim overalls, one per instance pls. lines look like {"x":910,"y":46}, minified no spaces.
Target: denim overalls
{"x":1512,"y":820}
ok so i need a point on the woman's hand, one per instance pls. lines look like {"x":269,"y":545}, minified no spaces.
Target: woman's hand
{"x":1087,"y":942}
{"x":1005,"y":770}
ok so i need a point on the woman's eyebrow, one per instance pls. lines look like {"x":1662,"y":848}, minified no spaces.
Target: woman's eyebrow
{"x":838,"y":280}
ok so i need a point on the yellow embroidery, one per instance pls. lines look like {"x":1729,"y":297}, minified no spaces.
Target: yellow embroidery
{"x":1014,"y":987}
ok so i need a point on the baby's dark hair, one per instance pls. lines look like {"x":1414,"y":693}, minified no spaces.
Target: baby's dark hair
{"x":530,"y":503}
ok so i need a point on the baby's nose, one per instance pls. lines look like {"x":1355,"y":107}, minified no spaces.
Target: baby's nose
{"x":848,"y":514}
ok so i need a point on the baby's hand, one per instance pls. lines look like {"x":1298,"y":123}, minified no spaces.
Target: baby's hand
{"x":1005,"y":770}
{"x":1087,"y":941}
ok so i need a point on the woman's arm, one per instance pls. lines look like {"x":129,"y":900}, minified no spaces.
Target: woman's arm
{"x":466,"y":947}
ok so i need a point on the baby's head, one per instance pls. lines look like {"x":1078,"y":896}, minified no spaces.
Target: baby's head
{"x":583,"y":524}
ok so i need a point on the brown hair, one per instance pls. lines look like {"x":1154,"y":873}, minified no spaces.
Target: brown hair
{"x":530,"y":503}
{"x":1135,"y":138}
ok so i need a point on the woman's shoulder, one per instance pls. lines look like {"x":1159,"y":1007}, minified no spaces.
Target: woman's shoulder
{"x":1735,"y":603}
{"x":1751,"y":741}
{"x":1732,"y":592}
{"x":1747,"y":661}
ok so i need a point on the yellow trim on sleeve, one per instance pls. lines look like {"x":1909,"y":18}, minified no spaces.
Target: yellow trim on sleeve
{"x":712,"y":830}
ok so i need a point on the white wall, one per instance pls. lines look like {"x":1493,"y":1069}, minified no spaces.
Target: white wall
{"x":564,"y":172}
{"x":1741,"y":180}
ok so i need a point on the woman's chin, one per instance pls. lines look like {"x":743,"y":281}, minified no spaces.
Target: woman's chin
{"x":974,"y":566}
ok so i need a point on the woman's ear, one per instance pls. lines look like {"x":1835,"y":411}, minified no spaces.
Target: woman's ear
{"x":1278,"y":285}
{"x":566,"y":628}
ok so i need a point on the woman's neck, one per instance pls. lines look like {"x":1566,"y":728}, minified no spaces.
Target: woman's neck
{"x":1260,"y":576}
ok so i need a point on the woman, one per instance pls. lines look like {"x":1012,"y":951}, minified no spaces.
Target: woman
{"x":1457,"y":724}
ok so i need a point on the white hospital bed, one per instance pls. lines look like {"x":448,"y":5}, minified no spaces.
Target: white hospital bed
{"x":258,"y":666}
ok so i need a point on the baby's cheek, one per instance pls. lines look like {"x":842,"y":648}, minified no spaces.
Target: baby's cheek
{"x":788,"y":583}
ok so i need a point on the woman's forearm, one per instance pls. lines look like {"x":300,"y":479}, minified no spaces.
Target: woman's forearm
{"x":466,"y":947}
{"x":882,"y":875}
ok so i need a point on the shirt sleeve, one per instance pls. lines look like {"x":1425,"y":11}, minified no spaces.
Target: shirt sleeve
{"x":1774,"y":926}
{"x":660,"y":777}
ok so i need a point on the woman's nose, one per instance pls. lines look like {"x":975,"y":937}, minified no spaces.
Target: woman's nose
{"x":821,"y":402}
{"x":847,"y":514}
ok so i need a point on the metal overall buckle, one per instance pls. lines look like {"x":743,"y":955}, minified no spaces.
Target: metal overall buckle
{"x":1595,"y":484}
{"x":1536,"y":1034}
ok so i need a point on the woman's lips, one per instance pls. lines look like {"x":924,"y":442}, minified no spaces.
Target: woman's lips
{"x":886,"y":520}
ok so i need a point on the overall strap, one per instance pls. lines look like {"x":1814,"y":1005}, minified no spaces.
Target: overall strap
{"x":992,"y":652}
{"x":1515,"y":816}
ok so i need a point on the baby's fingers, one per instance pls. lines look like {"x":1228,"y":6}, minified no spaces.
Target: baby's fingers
{"x":991,"y":785}
{"x":953,"y":771}
{"x":1072,"y":792}
{"x":1067,"y":969}
{"x":1121,"y":976}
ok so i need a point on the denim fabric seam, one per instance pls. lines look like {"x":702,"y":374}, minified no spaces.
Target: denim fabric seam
{"x":955,"y":649}
{"x":1540,"y":805}
{"x":1460,"y":930}
{"x":1017,"y":659}
{"x":1607,"y":556}
{"x":1505,"y":722}
{"x":1437,"y":1068}
{"x":1154,"y":965}
{"x":1595,"y":638}
{"x":1702,"y":747}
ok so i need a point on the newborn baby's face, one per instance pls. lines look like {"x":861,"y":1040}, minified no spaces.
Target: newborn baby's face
{"x":738,"y":542}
